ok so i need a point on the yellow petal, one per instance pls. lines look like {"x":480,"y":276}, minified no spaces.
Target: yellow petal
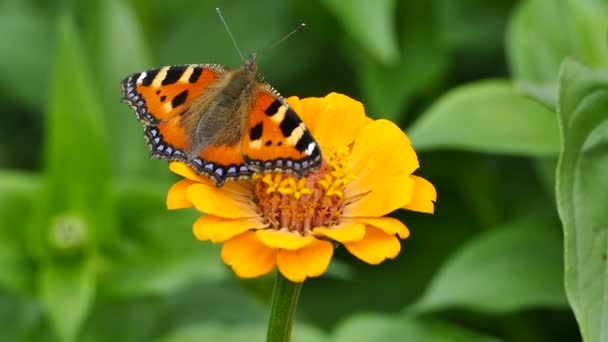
{"x":310,"y":261}
{"x":381,"y":150}
{"x":424,"y":197}
{"x":375,"y":247}
{"x":344,"y":232}
{"x":204,"y":226}
{"x":388,"y":225}
{"x":295,"y":104}
{"x":176,"y":197}
{"x":187,"y":172}
{"x":338,"y":119}
{"x":216,"y":201}
{"x":387,"y":195}
{"x":283,"y":239}
{"x":307,"y":109}
{"x":219,"y":229}
{"x":248,"y":257}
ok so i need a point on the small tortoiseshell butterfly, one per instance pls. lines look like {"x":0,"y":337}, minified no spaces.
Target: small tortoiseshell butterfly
{"x":224,"y":123}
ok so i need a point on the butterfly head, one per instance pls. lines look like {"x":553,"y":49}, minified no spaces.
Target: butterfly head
{"x":251,"y":64}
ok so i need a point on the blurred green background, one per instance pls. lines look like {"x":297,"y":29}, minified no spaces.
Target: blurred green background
{"x":505,"y":102}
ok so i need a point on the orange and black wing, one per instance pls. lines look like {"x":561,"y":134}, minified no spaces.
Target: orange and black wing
{"x":276,"y":139}
{"x":159,"y":97}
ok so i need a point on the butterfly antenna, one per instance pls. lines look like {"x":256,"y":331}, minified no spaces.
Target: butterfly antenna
{"x":219,"y":13}
{"x":301,"y":26}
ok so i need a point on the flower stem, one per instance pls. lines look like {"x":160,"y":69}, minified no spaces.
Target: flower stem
{"x":283,"y":310}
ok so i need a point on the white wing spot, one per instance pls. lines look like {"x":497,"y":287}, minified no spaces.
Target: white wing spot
{"x":141,"y":77}
{"x":255,"y":144}
{"x":311,"y":147}
{"x":279,"y":115}
{"x":162,"y":73}
{"x":297,"y":133}
{"x":186,"y":75}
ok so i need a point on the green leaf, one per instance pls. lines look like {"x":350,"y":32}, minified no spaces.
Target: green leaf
{"x":390,"y":88}
{"x":213,"y":331}
{"x":67,"y":292}
{"x":487,"y":116}
{"x":137,"y":319}
{"x":378,"y":327}
{"x":473,"y":26}
{"x":119,"y":51}
{"x":395,"y":283}
{"x":23,"y":68}
{"x":542,"y":32}
{"x":507,"y":269}
{"x":371,"y":24}
{"x":77,"y":167}
{"x":75,"y":207}
{"x":16,"y":276}
{"x":158,"y":254}
{"x":162,"y":274}
{"x":147,"y":318}
{"x":151,"y":272}
{"x":581,"y":193}
{"x":545,"y":170}
{"x":20,"y":316}
{"x":17,"y":194}
{"x":545,"y":93}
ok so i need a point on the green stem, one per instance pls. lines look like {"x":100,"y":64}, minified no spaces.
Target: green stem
{"x":283,"y":310}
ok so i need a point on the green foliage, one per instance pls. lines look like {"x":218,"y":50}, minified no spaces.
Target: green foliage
{"x":88,"y":251}
{"x":542,"y":32}
{"x":510,"y":268}
{"x":376,"y":327}
{"x":581,"y":195}
{"x":25,"y":66}
{"x":487,"y":116}
{"x":214,"y":331}
{"x":371,"y":24}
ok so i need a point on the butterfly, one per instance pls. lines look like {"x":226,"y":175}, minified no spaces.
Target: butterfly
{"x":224,"y":123}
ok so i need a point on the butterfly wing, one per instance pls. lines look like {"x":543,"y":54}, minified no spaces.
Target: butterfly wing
{"x":159,"y":94}
{"x":276,"y":139}
{"x":160,"y":98}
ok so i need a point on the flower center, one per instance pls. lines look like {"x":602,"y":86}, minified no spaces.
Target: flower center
{"x":299,"y":205}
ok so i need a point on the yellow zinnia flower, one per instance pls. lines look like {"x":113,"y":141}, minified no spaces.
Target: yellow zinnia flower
{"x":276,"y":220}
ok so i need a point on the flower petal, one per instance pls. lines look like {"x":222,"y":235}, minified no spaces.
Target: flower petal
{"x":310,"y":261}
{"x":203,"y":227}
{"x":176,"y":197}
{"x":217,"y":201}
{"x":187,"y":172}
{"x":388,"y":225}
{"x":283,"y":239}
{"x":248,"y":257}
{"x":334,"y":110}
{"x":381,"y":150}
{"x":386,"y":196}
{"x":344,"y":232}
{"x":218,"y":229}
{"x":375,"y":247}
{"x":307,"y":109}
{"x":424,"y":197}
